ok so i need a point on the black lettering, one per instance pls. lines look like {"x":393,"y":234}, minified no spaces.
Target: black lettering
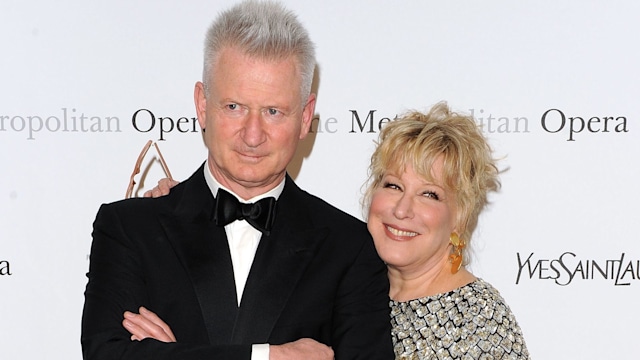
{"x":382,"y":122}
{"x":521,"y":266}
{"x":134,"y":120}
{"x":595,"y":266}
{"x":566,"y":269}
{"x":596,"y":120}
{"x":181,"y":121}
{"x":628,"y":269}
{"x":361,"y":126}
{"x":544,"y":121}
{"x":5,"y":268}
{"x":622,"y":127}
{"x":162,"y":129}
{"x":572,"y":129}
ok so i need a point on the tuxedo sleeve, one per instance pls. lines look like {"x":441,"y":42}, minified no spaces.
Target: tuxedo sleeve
{"x":116,"y":283}
{"x":362,"y":327}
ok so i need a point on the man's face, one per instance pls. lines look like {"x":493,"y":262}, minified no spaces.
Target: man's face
{"x":254,"y":117}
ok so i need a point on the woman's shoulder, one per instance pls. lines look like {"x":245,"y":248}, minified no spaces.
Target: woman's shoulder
{"x":483,"y":295}
{"x":482,"y":289}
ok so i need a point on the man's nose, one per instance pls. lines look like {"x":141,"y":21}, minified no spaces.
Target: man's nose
{"x":253,"y":132}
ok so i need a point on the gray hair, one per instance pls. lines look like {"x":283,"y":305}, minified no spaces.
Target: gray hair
{"x":266,"y":30}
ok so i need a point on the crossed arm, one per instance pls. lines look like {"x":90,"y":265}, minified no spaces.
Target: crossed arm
{"x":146,"y":324}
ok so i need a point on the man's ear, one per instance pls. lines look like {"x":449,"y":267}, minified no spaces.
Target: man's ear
{"x":307,"y":115}
{"x":200,"y":99}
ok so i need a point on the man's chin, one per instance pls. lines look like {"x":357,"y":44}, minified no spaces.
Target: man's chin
{"x":253,"y":179}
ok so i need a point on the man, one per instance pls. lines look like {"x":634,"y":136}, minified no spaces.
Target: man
{"x":289,"y":279}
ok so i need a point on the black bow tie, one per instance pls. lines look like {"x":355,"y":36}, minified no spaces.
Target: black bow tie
{"x":260,"y":214}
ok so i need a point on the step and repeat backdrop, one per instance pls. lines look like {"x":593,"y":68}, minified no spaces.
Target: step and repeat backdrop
{"x":555,"y":85}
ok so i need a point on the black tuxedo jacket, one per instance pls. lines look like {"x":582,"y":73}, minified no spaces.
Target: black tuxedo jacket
{"x":316,"y":275}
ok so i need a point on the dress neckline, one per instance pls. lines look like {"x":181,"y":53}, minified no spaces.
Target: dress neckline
{"x":477,"y":281}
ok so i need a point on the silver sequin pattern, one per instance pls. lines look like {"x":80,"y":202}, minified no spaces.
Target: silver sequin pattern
{"x":471,"y":322}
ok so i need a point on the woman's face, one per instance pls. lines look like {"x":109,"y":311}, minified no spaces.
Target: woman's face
{"x":411,"y":219}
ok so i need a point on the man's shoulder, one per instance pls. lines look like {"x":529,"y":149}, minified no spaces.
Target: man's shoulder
{"x":322,"y":214}
{"x":330,"y":210}
{"x":135,"y":207}
{"x":315,"y":204}
{"x":142,"y":205}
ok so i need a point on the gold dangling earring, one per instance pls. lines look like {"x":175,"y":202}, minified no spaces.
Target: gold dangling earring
{"x":456,"y":257}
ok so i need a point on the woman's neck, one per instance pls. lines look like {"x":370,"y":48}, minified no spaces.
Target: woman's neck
{"x":406,"y":284}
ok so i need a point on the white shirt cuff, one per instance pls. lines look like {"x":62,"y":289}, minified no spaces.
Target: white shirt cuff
{"x":260,"y":352}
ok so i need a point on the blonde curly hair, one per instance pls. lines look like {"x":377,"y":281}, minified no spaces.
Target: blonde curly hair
{"x":417,"y":139}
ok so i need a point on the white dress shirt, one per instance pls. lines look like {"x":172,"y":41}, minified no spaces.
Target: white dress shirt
{"x":243,"y":243}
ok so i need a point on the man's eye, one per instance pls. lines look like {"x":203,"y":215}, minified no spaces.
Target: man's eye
{"x":232,"y":106}
{"x":272,"y":111}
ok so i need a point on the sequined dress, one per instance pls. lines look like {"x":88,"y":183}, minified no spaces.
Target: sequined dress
{"x":470,"y":322}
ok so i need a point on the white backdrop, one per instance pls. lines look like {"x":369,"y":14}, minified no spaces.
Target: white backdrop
{"x":558,"y":240}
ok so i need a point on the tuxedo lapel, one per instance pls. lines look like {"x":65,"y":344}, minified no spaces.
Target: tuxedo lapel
{"x":204,"y":251}
{"x":280,"y":261}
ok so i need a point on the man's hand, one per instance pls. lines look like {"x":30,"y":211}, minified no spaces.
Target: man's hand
{"x":163,"y":187}
{"x":307,"y":349}
{"x":147,"y":324}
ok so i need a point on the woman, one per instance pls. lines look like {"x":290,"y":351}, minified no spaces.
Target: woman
{"x":429,"y":179}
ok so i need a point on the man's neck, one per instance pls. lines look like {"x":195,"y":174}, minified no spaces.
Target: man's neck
{"x":250,"y":192}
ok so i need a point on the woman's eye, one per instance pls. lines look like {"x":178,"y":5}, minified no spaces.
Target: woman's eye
{"x":432,"y":195}
{"x":389,"y":185}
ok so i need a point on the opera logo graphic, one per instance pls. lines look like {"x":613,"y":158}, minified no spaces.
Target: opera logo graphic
{"x":568,"y":268}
